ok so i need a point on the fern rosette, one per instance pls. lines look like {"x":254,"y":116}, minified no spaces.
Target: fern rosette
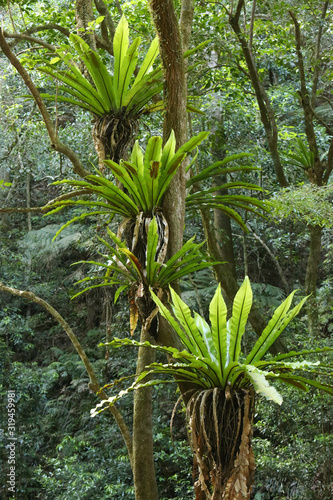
{"x":145,"y":177}
{"x":116,"y":100}
{"x":222,"y":383}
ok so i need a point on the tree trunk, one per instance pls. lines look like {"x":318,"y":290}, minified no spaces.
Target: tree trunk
{"x":171,"y":51}
{"x":143,"y":458}
{"x":266,"y":111}
{"x":84,"y":14}
{"x":311,"y":278}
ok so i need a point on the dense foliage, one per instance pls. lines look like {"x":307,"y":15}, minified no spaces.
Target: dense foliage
{"x":60,"y":449}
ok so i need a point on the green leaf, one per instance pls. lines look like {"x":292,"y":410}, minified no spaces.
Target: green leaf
{"x":127,"y":69}
{"x":148,"y":61}
{"x":152,"y":242}
{"x":236,"y":325}
{"x":218,"y":319}
{"x":183,"y":314}
{"x":261,"y":384}
{"x":120,"y":47}
{"x":275,"y":327}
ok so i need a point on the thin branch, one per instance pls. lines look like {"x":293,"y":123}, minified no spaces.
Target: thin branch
{"x":239,"y":8}
{"x":317,"y":54}
{"x":20,"y":210}
{"x":274,"y":259}
{"x":108,"y":22}
{"x":329,"y":166}
{"x":252,"y":24}
{"x":266,"y":111}
{"x":29,"y":38}
{"x":304,"y":94}
{"x":45,"y":27}
{"x":94,"y":384}
{"x":55,"y":143}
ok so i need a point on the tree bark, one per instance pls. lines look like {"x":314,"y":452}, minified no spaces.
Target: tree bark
{"x":143,"y":457}
{"x":94,"y":384}
{"x":171,"y":50}
{"x":266,"y":111}
{"x":84,"y":15}
{"x":311,"y":279}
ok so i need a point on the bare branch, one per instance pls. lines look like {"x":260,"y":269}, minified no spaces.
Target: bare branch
{"x":29,"y":38}
{"x":304,"y":94}
{"x":317,"y":54}
{"x":274,"y":259}
{"x":55,"y":143}
{"x":252,"y":24}
{"x":94,"y":384}
{"x":20,"y":210}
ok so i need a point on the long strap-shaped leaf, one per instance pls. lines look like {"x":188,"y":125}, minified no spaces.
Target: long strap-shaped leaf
{"x":152,"y":242}
{"x":164,"y":311}
{"x":148,"y":61}
{"x":311,"y":382}
{"x":120,"y":46}
{"x":79,"y":88}
{"x":218,"y":320}
{"x":98,"y":72}
{"x":240,"y":312}
{"x":293,"y":354}
{"x":276,"y":325}
{"x":183,"y":314}
{"x":215,"y":168}
{"x":127,"y":69}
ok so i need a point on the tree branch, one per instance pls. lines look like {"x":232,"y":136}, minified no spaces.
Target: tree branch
{"x":20,"y":210}
{"x":304,"y":94}
{"x":108,"y":22}
{"x":265,"y":107}
{"x":274,"y":259}
{"x":29,"y":38}
{"x":94,"y":384}
{"x":55,"y":143}
{"x":317,"y":54}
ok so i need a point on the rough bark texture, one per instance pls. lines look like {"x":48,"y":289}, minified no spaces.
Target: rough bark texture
{"x":171,"y":51}
{"x":311,"y":278}
{"x":84,"y":15}
{"x":143,"y":458}
{"x":221,"y":432}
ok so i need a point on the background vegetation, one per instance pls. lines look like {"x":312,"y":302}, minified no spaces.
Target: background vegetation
{"x":60,"y":449}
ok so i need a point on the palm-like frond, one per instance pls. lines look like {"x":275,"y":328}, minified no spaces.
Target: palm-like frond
{"x":212,"y":198}
{"x":146,"y":178}
{"x":212,"y":353}
{"x":302,"y":157}
{"x":124,"y":270}
{"x":109,"y":93}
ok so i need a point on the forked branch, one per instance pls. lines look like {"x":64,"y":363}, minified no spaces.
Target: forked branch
{"x":94,"y":384}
